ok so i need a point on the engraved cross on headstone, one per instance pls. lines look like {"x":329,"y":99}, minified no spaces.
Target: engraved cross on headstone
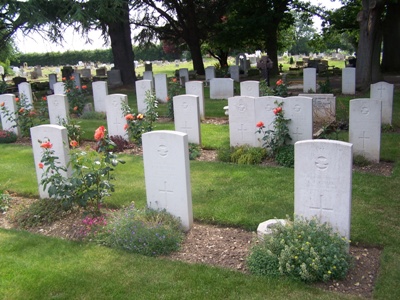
{"x":241,"y":130}
{"x":320,"y":208}
{"x":163,"y":203}
{"x":381,"y":89}
{"x":363,"y":137}
{"x":186,"y":127}
{"x":297,"y":132}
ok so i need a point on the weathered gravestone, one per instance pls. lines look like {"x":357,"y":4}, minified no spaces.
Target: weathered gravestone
{"x":77,"y":80}
{"x":242,"y":121}
{"x":58,"y":107}
{"x":115,"y":117}
{"x":324,"y":107}
{"x":66,"y":72}
{"x":58,"y":137}
{"x":38,"y":70}
{"x":265,"y":64}
{"x":100,"y":91}
{"x":235,"y":73}
{"x":143,"y":87}
{"x":101,"y":71}
{"x":183,"y":76}
{"x":25,"y":93}
{"x":114,"y":78}
{"x":210,"y":73}
{"x":8,"y":102}
{"x":384,"y":91}
{"x":323,"y":182}
{"x":59,"y":88}
{"x":148,"y":75}
{"x":86,"y":73}
{"x":167,"y":174}
{"x":197,"y":88}
{"x":221,"y":88}
{"x":187,"y":117}
{"x":365,"y":127}
{"x":299,"y":111}
{"x":52,"y":81}
{"x":161,"y":87}
{"x":309,"y":80}
{"x":349,"y":81}
{"x":250,"y":88}
{"x":148,"y":66}
{"x":264,"y":112}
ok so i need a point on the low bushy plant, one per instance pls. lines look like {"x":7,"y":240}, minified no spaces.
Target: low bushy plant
{"x":285,"y":156}
{"x":361,"y":161}
{"x":76,"y":96}
{"x":120,"y":143}
{"x":243,"y":155}
{"x":5,"y":200}
{"x":194,"y":151}
{"x":7,"y":137}
{"x":147,"y":232}
{"x":74,"y":130}
{"x":93,"y":115}
{"x":306,"y":250}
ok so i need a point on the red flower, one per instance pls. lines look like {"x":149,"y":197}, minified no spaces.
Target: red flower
{"x":126,"y":126}
{"x":129,"y":117}
{"x":72,"y":78}
{"x":73,"y":144}
{"x":46,"y":145}
{"x":40,"y":165}
{"x":44,"y":98}
{"x":75,"y":108}
{"x":16,"y":99}
{"x":63,"y":79}
{"x":279,"y":82}
{"x":2,"y":104}
{"x":84,"y":87}
{"x":260,"y":124}
{"x":99,"y":133}
{"x":277,"y":110}
{"x":174,"y":79}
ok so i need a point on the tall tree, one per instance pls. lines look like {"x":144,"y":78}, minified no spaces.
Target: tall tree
{"x":391,"y":38}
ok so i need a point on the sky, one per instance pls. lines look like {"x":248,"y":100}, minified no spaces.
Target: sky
{"x":73,"y":41}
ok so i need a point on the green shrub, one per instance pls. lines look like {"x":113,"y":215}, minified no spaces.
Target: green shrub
{"x":194,"y":151}
{"x":4,"y":201}
{"x":253,"y":72}
{"x":243,"y":155}
{"x":44,"y":211}
{"x":7,"y":136}
{"x":224,"y":154}
{"x":93,"y":115}
{"x":147,"y":232}
{"x":303,"y":249}
{"x":361,"y":161}
{"x":285,"y":156}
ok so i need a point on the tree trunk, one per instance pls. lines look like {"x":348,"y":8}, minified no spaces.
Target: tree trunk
{"x":121,"y":46}
{"x":272,"y":51}
{"x":391,"y":39}
{"x":195,"y":50}
{"x":221,"y":56}
{"x":369,"y":45}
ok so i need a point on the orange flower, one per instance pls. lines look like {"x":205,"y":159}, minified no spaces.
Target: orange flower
{"x":44,"y":98}
{"x":140,"y":116}
{"x":168,"y":98}
{"x":174,"y":79}
{"x":72,"y":78}
{"x":279,"y":82}
{"x":32,"y":113}
{"x":68,"y":90}
{"x":63,"y":79}
{"x":75,"y":108}
{"x":77,"y":87}
{"x":21,"y":110}
{"x":46,"y":145}
{"x":277,"y":110}
{"x":40,"y":165}
{"x":129,"y":117}
{"x":84,"y":87}
{"x":73,"y":144}
{"x":260,"y":124}
{"x":99,"y":133}
{"x":2,"y":104}
{"x":16,"y":99}
{"x":126,"y":126}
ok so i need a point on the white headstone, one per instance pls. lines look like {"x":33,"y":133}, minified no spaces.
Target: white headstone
{"x":210,"y":73}
{"x":197,"y":88}
{"x":161,"y":87}
{"x":59,"y":88}
{"x":365,"y":127}
{"x":142,"y":87}
{"x":52,"y":81}
{"x":349,"y":81}
{"x":221,"y":88}
{"x":235,"y":73}
{"x":115,"y":117}
{"x":148,"y":75}
{"x":1,"y":70}
{"x":184,"y":72}
{"x":167,"y":174}
{"x":100,"y":91}
{"x":114,"y":78}
{"x":299,"y":111}
{"x":11,"y":106}
{"x":250,"y":88}
{"x":187,"y":117}
{"x":25,"y":92}
{"x":58,"y":137}
{"x":324,"y":107}
{"x":323,"y":182}
{"x":309,"y":80}
{"x":242,"y":121}
{"x":58,"y":107}
{"x":384,"y":91}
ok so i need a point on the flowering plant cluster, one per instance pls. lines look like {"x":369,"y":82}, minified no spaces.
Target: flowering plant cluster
{"x":7,"y":136}
{"x":24,"y":117}
{"x":304,"y":249}
{"x":91,"y":175}
{"x":174,"y":88}
{"x":281,"y":89}
{"x":137,"y":124}
{"x":275,"y":139}
{"x":76,"y":96}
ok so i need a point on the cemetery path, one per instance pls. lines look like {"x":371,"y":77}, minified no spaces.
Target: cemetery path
{"x":218,"y":246}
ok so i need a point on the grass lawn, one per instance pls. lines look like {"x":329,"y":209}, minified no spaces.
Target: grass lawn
{"x":37,"y":267}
